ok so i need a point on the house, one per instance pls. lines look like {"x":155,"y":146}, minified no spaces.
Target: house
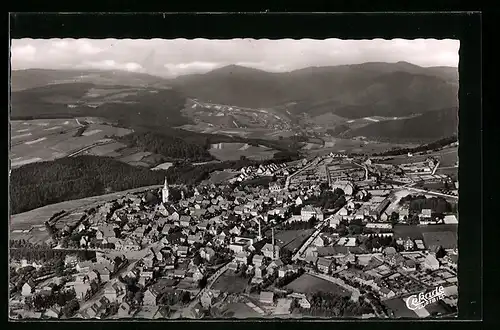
{"x":284,"y":270}
{"x":191,"y":239}
{"x":185,"y":220}
{"x":450,"y":219}
{"x":320,"y":241}
{"x":343,"y":212}
{"x":324,"y":265}
{"x":53,"y":312}
{"x":235,"y":231}
{"x":28,"y":289}
{"x":431,"y":262}
{"x":196,"y":274}
{"x":151,"y":296}
{"x":260,"y":271}
{"x":404,"y":213}
{"x":124,"y":310}
{"x":84,"y":241}
{"x":169,"y":261}
{"x":237,"y":247}
{"x":408,"y":244}
{"x":241,"y":257}
{"x":116,"y":291}
{"x":270,"y":251}
{"x":304,"y":303}
{"x":105,"y":272}
{"x":386,"y":293}
{"x":299,"y":201}
{"x":182,"y":251}
{"x":93,"y":275}
{"x":208,"y":298}
{"x":70,"y":260}
{"x":179,"y":273}
{"x":266,"y":297}
{"x":335,"y":221}
{"x":232,"y":266}
{"x":83,"y":267}
{"x":426,"y":213}
{"x":409,"y":265}
{"x":207,"y":253}
{"x":80,"y":288}
{"x":257,"y":260}
{"x":307,"y":212}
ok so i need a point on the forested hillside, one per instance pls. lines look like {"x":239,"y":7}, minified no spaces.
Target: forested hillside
{"x":39,"y":184}
{"x":169,"y":146}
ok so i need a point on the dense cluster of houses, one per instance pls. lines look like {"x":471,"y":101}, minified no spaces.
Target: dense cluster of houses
{"x":180,"y":241}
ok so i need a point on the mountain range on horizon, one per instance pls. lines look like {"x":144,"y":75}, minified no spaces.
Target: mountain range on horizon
{"x":404,"y":65}
{"x":348,"y":92}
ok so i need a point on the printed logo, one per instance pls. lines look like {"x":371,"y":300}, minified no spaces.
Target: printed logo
{"x":423,"y":299}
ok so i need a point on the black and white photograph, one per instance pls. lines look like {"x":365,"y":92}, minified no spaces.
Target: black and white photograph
{"x":233,"y":179}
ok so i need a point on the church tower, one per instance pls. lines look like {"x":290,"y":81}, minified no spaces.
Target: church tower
{"x":259,"y":237}
{"x":165,"y":192}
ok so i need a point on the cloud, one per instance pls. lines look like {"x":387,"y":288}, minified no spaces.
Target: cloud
{"x":23,"y":53}
{"x":112,"y":65}
{"x":181,"y":56}
{"x":192,"y":67}
{"x":86,"y":48}
{"x":264,"y":66}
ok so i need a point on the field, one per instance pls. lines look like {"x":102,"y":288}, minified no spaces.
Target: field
{"x":292,"y":239}
{"x":240,"y":310}
{"x":230,"y":283}
{"x":49,"y":139}
{"x":233,"y":151}
{"x":251,"y":133}
{"x":415,"y":232}
{"x":44,"y":140}
{"x":447,"y":158}
{"x":347,"y":145}
{"x":309,"y":284}
{"x":164,"y":166}
{"x":222,"y":176}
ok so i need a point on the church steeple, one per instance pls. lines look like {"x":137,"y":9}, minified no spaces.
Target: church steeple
{"x":165,"y":192}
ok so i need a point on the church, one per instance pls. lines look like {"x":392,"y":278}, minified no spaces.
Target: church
{"x":165,"y":192}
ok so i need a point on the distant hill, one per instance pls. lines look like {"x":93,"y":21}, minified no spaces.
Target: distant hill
{"x":125,"y":105}
{"x":31,"y":78}
{"x":340,"y":93}
{"x":427,"y":127}
{"x":352,"y":91}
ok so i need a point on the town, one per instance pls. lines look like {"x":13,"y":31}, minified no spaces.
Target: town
{"x":327,"y":236}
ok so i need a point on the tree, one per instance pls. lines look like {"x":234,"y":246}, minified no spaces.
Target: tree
{"x":71,"y":308}
{"x":138,"y":297}
{"x":59,"y":266}
{"x":197,"y":260}
{"x":414,"y":220}
{"x":203,"y":282}
{"x":394,"y":218}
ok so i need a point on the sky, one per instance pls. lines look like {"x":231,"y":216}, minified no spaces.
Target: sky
{"x":176,"y":57}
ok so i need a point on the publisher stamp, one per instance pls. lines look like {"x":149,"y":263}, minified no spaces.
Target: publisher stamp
{"x":423,"y":299}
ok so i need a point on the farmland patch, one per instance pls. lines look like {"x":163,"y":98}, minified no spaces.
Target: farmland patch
{"x":92,"y":132}
{"x":233,"y":151}
{"x":21,"y":136}
{"x":35,"y":141}
{"x":230,"y":283}
{"x":309,"y":284}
